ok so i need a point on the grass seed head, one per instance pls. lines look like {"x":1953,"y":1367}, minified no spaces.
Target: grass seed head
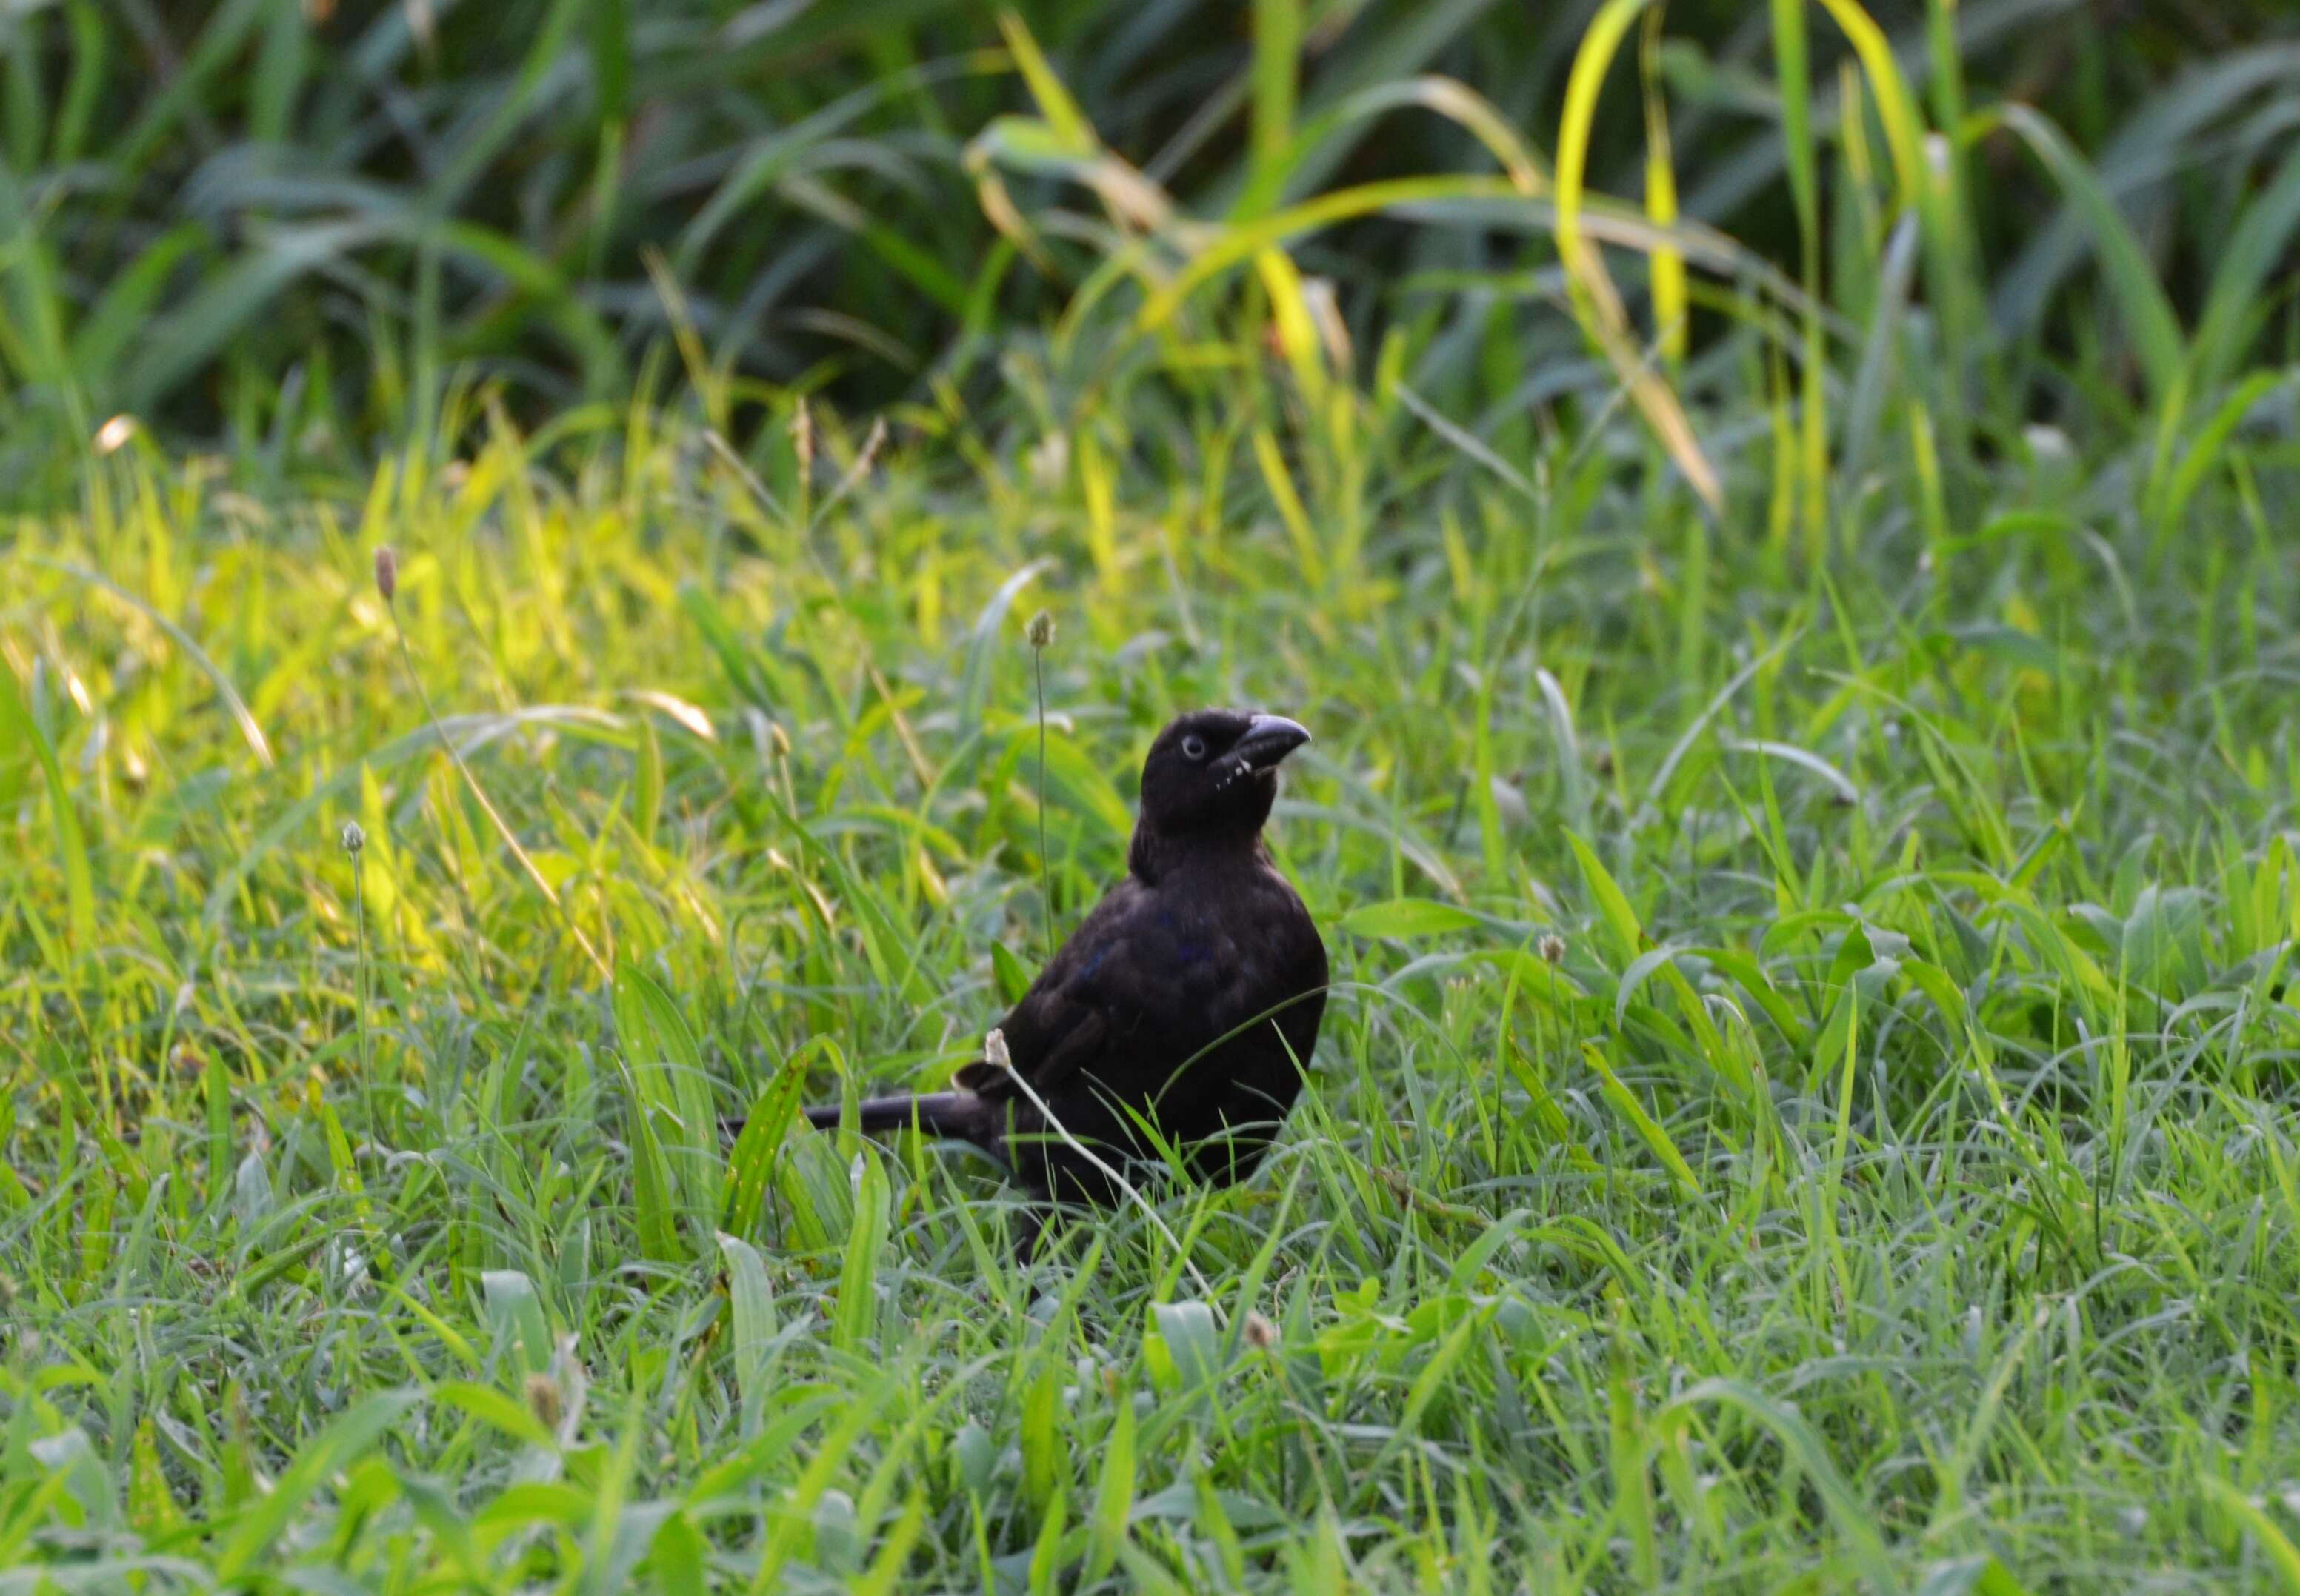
{"x":802,"y":436}
{"x":544,"y":1402}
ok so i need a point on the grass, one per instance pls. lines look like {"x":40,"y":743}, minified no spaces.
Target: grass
{"x":1891,"y":1181}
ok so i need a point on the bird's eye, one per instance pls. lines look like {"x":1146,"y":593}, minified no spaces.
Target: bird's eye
{"x":1194,"y":747}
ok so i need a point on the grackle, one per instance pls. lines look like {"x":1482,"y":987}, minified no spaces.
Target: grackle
{"x":1187,"y":1003}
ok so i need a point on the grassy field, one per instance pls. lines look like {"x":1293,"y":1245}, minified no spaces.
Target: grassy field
{"x":1802,"y":816}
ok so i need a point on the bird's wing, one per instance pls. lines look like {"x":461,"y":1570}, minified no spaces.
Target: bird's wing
{"x":1079,"y":1001}
{"x":1078,"y":1032}
{"x":1078,"y":1046}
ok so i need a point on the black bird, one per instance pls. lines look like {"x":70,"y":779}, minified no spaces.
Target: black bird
{"x":1188,"y":1002}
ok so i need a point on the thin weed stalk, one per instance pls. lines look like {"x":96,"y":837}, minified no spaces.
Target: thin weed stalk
{"x":355,"y":843}
{"x":1041,"y":633}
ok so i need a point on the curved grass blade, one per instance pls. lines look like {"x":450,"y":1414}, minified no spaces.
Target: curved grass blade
{"x":2141,"y":302}
{"x":472,"y":734}
{"x":249,"y":731}
{"x":1595,"y":299}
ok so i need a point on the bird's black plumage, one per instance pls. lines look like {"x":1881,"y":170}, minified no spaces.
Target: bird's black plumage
{"x":1182,"y":1010}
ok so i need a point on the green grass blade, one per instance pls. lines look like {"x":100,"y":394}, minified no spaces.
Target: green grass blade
{"x":2146,"y":312}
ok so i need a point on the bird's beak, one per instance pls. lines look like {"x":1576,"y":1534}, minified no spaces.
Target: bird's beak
{"x":1268,"y":740}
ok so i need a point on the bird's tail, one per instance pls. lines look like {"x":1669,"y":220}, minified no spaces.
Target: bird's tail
{"x":960,"y":1115}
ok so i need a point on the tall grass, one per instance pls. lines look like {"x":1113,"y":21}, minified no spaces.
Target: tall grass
{"x":296,"y":227}
{"x":1807,"y":1102}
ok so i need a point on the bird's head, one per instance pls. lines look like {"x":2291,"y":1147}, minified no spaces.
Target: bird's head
{"x":1214,"y":772}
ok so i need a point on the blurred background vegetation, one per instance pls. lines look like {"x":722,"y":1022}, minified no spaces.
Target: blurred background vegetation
{"x":281,"y":226}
